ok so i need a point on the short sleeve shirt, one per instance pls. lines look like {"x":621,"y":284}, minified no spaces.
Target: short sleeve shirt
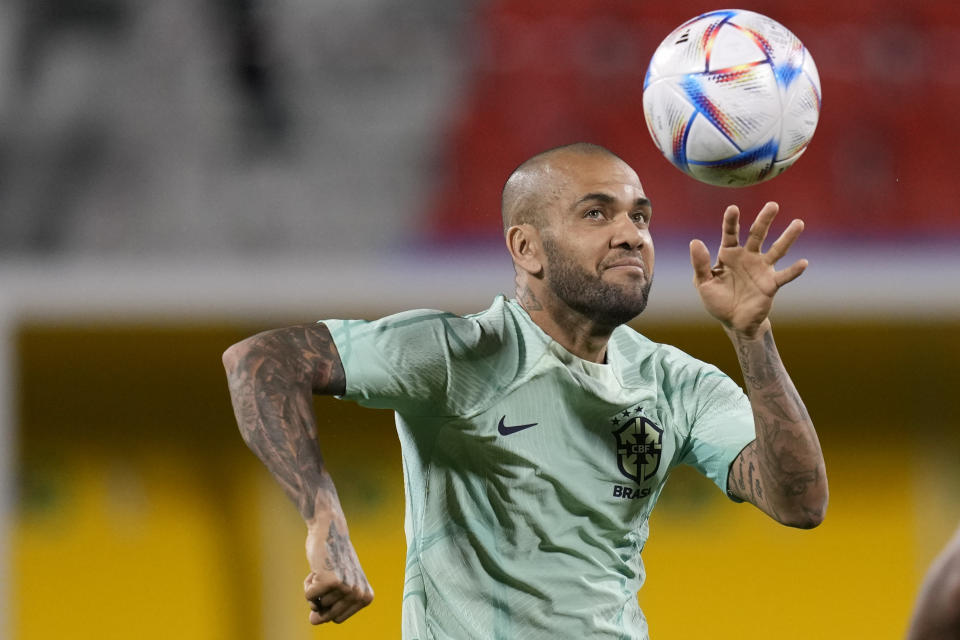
{"x":530,"y":474}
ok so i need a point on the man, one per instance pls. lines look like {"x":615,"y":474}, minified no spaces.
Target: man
{"x":537,"y":434}
{"x":936,"y":615}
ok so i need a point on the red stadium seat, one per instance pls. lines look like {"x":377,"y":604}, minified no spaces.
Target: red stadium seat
{"x":544,"y":73}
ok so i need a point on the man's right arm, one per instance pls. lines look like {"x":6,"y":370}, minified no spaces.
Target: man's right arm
{"x":272,"y":377}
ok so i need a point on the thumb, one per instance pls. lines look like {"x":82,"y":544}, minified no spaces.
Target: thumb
{"x":700,"y":259}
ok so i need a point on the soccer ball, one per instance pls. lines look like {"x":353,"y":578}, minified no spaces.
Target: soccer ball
{"x":731,"y":98}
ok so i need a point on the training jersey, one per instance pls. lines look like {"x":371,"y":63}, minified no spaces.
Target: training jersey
{"x":530,"y":473}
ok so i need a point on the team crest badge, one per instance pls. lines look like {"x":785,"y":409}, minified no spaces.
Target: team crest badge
{"x":639,"y":444}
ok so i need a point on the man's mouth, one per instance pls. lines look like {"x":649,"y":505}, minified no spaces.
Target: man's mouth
{"x":627,"y":264}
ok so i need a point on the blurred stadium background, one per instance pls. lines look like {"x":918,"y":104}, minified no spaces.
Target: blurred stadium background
{"x":176,"y":175}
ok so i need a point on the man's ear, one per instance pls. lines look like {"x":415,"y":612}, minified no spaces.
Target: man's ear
{"x":523,"y":243}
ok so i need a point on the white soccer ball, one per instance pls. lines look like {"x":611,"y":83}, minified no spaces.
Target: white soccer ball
{"x":731,"y":98}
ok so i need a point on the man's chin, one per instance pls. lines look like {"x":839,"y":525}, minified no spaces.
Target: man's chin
{"x":622,"y":308}
{"x":635,"y":292}
{"x":632,"y":302}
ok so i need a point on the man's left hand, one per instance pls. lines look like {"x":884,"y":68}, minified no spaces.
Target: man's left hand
{"x":739,"y":289}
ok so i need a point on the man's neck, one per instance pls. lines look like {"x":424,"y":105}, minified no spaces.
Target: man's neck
{"x":573,"y":331}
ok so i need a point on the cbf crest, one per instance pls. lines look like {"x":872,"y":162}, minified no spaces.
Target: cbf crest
{"x":639,"y":444}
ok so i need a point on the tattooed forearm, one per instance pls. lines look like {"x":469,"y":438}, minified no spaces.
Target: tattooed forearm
{"x":272,"y":377}
{"x":342,"y":558}
{"x":782,"y":471}
{"x":763,"y":370}
{"x":785,"y":405}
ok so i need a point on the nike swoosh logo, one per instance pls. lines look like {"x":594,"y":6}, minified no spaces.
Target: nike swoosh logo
{"x":505,"y":430}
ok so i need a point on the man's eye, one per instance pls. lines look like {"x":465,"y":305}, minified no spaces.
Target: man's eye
{"x":593,"y":213}
{"x":639,"y":216}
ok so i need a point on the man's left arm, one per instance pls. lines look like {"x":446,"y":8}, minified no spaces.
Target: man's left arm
{"x":782,"y":471}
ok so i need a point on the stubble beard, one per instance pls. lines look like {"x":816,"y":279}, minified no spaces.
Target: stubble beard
{"x":588,"y":294}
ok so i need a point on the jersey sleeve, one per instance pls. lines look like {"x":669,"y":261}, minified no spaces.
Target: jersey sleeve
{"x":398,"y":362}
{"x":722,"y":425}
{"x":424,"y":362}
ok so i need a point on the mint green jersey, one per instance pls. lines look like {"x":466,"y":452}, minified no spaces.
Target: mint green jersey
{"x":530,"y":473}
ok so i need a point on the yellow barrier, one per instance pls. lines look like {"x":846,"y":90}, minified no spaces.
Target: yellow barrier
{"x":142,"y":515}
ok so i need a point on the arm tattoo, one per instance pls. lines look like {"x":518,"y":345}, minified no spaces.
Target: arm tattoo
{"x":271,"y":377}
{"x":784,"y":465}
{"x":764,"y":370}
{"x":342,"y":558}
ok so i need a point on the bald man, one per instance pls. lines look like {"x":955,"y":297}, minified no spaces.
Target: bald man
{"x":537,"y":434}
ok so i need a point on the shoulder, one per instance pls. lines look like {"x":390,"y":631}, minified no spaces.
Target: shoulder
{"x":479,"y":354}
{"x":477,"y":335}
{"x":655,"y":360}
{"x":425,"y":361}
{"x":431,"y":329}
{"x":689,"y":385}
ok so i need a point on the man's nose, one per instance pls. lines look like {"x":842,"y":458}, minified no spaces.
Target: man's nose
{"x":628,"y":232}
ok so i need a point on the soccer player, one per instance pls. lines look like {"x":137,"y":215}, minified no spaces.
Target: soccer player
{"x":936,"y":615}
{"x":537,"y":434}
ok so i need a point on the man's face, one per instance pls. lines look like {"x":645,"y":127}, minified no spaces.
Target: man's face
{"x":597,"y":244}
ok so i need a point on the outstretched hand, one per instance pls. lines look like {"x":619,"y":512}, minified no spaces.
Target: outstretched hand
{"x":738,"y":290}
{"x":336,"y":587}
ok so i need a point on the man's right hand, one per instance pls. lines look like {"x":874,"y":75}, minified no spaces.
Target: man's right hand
{"x":336,"y":587}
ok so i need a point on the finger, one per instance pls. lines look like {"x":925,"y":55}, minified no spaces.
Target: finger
{"x":790,"y":273}
{"x":363,"y":600}
{"x":349,"y":612}
{"x":730,"y":235}
{"x":311,"y":585}
{"x":315,"y":586}
{"x":700,"y":259}
{"x":321,"y":604}
{"x":779,"y":248}
{"x":319,"y":615}
{"x":337,"y":610}
{"x":328,"y":599}
{"x":760,"y":226}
